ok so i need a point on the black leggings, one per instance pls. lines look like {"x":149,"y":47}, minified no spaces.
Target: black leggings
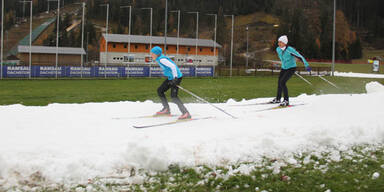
{"x":174,"y":91}
{"x":285,"y":75}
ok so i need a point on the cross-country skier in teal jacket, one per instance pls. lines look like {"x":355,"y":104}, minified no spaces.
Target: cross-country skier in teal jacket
{"x":174,"y":77}
{"x":288,"y":56}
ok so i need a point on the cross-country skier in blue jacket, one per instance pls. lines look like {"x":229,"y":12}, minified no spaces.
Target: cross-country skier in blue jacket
{"x":288,"y":57}
{"x":174,"y":77}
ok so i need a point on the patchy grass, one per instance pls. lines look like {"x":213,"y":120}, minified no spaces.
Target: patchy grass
{"x":356,"y":169}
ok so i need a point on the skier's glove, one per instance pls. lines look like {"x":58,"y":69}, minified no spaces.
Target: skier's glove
{"x":173,"y":82}
{"x":308,"y":68}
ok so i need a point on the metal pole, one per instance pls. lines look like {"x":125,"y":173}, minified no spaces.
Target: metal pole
{"x":214,"y":45}
{"x":86,"y":53}
{"x":150,"y":46}
{"x":203,"y":100}
{"x":129,"y":33}
{"x":197,"y":39}
{"x":129,"y":30}
{"x":2,"y":38}
{"x":106,"y":40}
{"x":246,"y":65}
{"x":82,"y":40}
{"x":215,"y":32}
{"x":233,"y":22}
{"x":129,"y":36}
{"x":150,"y":41}
{"x":30,"y":41}
{"x":23,"y":10}
{"x":57,"y":35}
{"x":178,"y":30}
{"x":233,"y":18}
{"x":334,"y":38}
{"x":301,"y":77}
{"x":165,"y":27}
{"x":328,"y":81}
{"x":106,"y":45}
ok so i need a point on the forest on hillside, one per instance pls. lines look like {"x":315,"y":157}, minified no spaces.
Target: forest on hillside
{"x":308,"y":23}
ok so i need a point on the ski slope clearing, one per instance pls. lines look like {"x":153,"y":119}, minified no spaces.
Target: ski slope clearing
{"x":72,"y":143}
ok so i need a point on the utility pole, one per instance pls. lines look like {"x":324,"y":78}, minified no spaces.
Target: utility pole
{"x":233,"y":22}
{"x":178,"y":30}
{"x":30,"y":36}
{"x":48,"y":7}
{"x":129,"y":33}
{"x":82,"y":40}
{"x":197,"y":38}
{"x":86,"y":53}
{"x":214,"y":43}
{"x":57,"y":35}
{"x":129,"y":26}
{"x":106,"y":39}
{"x":150,"y":40}
{"x":166,"y":26}
{"x":246,"y":64}
{"x":334,"y":38}
{"x":2,"y":38}
{"x":82,"y":37}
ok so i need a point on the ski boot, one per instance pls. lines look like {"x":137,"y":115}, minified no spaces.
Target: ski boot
{"x":274,"y":101}
{"x":185,"y":116}
{"x":285,"y":103}
{"x":163,"y":112}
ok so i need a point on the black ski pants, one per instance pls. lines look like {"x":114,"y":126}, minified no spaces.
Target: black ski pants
{"x":165,"y":86}
{"x":285,"y":75}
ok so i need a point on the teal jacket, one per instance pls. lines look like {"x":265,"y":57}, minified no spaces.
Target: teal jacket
{"x":169,"y":67}
{"x":288,"y":56}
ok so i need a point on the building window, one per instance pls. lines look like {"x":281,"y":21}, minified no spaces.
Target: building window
{"x":201,"y":49}
{"x":114,"y":45}
{"x":167,"y":48}
{"x":189,"y":49}
{"x":147,"y":47}
{"x":125,"y":45}
{"x":135,"y":46}
{"x":211,"y":49}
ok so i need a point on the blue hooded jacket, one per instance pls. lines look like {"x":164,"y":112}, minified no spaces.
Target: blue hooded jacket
{"x":288,"y":56}
{"x":169,"y":67}
{"x":167,"y":70}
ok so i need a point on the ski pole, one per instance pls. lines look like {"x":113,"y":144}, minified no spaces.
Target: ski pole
{"x":328,"y":82}
{"x":303,"y":79}
{"x":203,"y":100}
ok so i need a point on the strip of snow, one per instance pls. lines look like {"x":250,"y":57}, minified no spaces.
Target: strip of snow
{"x":71,"y":143}
{"x":360,"y":75}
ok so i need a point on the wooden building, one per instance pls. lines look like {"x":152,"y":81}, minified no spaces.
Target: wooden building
{"x":135,"y":49}
{"x":46,"y":56}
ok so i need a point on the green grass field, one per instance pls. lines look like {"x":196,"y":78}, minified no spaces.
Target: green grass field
{"x":44,"y":92}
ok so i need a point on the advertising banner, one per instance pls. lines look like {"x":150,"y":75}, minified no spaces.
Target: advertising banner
{"x":16,"y":71}
{"x":69,"y":71}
